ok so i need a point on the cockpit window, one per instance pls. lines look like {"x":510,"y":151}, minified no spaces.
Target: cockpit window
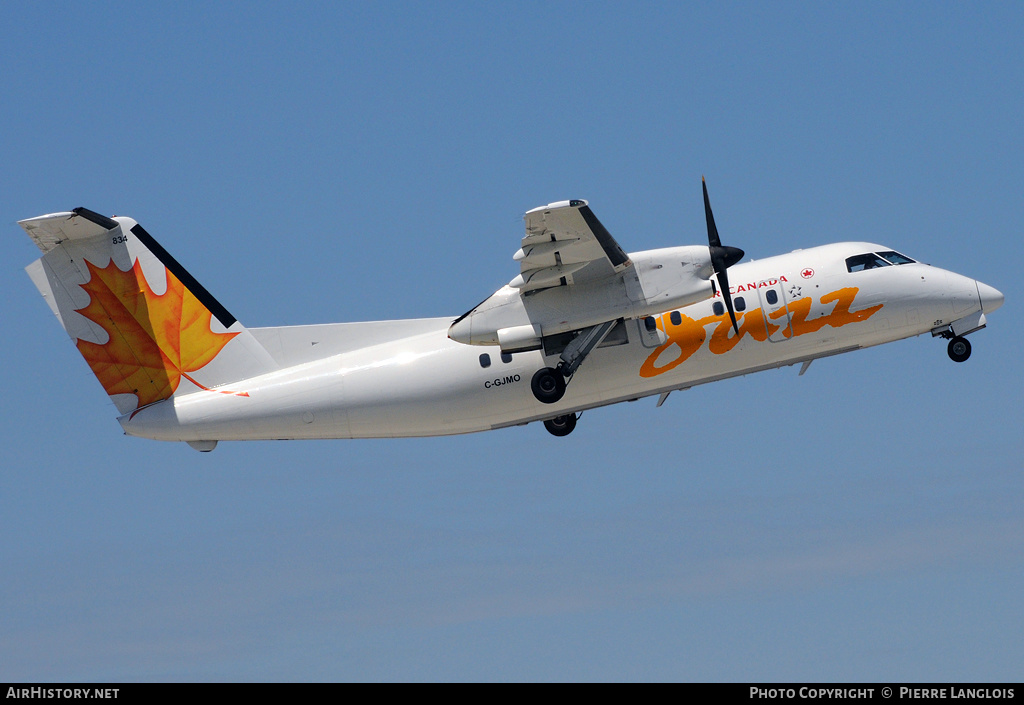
{"x":869,"y":260}
{"x":896,"y":257}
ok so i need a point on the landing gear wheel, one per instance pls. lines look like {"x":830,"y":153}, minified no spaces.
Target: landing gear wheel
{"x":959,"y":349}
{"x":561,"y":425}
{"x":548,"y":386}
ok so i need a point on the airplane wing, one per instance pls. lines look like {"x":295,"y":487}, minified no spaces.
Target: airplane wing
{"x":565,"y":243}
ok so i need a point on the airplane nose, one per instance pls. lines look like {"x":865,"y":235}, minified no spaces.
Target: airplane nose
{"x":991,"y":298}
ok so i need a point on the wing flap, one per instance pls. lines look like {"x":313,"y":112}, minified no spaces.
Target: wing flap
{"x":567,"y":237}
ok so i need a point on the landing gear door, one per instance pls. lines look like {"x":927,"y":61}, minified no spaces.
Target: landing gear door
{"x":776,"y":311}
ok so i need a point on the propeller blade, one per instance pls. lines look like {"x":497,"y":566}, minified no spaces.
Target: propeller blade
{"x":723,"y":281}
{"x":713,"y":240}
{"x":722,"y":257}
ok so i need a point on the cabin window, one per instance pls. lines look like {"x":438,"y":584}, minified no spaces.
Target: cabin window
{"x":771,"y":296}
{"x":896,"y":257}
{"x":650,"y":324}
{"x":675,"y":318}
{"x":718,"y":308}
{"x":485,"y":360}
{"x":859,"y":263}
{"x":506,"y":357}
{"x":740,"y":303}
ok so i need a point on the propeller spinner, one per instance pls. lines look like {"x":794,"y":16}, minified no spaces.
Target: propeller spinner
{"x":722,"y":257}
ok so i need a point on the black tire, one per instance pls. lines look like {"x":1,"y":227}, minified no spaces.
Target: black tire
{"x":561,"y":425}
{"x":548,"y":385}
{"x":959,"y":349}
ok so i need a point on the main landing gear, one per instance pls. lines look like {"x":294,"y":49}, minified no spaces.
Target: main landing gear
{"x":548,"y":384}
{"x":561,"y":425}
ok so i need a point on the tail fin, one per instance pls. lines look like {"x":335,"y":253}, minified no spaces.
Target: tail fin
{"x":146,"y":327}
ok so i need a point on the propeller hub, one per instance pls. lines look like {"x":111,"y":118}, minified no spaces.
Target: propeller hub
{"x":725,"y":256}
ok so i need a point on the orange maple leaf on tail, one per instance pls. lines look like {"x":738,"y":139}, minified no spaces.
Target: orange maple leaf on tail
{"x":155,"y":339}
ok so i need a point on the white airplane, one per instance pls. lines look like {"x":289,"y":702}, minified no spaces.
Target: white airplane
{"x":583,"y":325}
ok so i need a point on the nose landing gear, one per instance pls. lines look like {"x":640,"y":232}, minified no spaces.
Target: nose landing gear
{"x":959,"y":349}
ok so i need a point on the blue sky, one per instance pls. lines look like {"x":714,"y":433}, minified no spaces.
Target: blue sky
{"x":328,"y":162}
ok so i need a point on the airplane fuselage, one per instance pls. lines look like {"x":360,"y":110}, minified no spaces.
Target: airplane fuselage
{"x":416,"y":381}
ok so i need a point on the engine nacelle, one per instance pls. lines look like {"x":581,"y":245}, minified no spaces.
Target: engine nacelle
{"x":519,"y":338}
{"x":669,"y":278}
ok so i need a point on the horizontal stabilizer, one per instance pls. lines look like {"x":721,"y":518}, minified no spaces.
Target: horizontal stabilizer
{"x":49,"y":231}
